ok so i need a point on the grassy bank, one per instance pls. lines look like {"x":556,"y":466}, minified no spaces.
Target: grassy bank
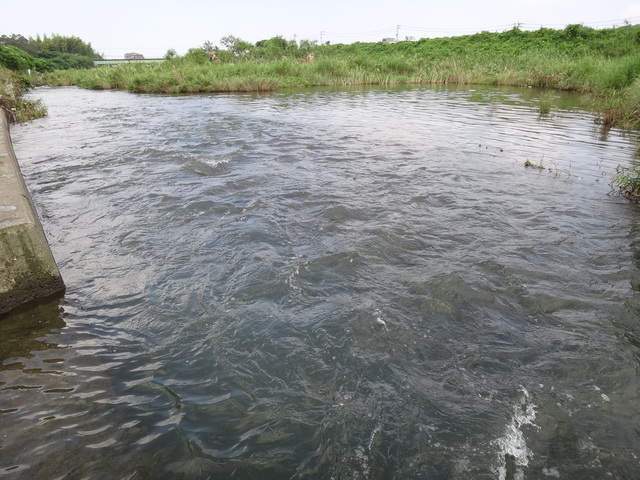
{"x":602,"y":64}
{"x":12,"y":88}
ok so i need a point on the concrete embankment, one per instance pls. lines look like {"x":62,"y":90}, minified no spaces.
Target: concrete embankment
{"x":28,"y":270}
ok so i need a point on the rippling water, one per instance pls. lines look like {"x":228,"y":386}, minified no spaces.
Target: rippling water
{"x":325,"y":284}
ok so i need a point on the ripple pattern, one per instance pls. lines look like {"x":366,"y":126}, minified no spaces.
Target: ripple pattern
{"x":360,"y":283}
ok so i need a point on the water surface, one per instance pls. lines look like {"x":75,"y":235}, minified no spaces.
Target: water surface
{"x":325,"y":284}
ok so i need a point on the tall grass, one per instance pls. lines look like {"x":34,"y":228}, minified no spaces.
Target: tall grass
{"x":12,"y":88}
{"x":605,"y":64}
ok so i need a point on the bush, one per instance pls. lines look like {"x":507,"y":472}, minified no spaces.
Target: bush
{"x":197,"y":55}
{"x":12,"y":88}
{"x":626,"y":182}
{"x":65,"y":61}
{"x":15,"y":59}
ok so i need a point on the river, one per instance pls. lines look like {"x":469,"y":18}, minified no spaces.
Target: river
{"x":335,"y":284}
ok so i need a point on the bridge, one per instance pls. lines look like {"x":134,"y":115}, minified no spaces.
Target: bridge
{"x":117,"y":61}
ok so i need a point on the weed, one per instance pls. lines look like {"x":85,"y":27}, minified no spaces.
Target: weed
{"x":12,"y":88}
{"x":545,"y":102}
{"x":529,"y":164}
{"x":603,"y":63}
{"x":626,"y":182}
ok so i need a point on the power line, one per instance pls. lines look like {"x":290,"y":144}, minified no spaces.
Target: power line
{"x":395,"y":31}
{"x":615,"y":22}
{"x":528,"y":26}
{"x":510,"y":25}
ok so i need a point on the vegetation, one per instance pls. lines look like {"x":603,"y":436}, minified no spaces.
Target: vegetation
{"x":16,"y":59}
{"x":21,"y":58}
{"x":45,"y":53}
{"x":12,"y":88}
{"x":603,"y":65}
{"x":530,"y":164}
{"x":626,"y":182}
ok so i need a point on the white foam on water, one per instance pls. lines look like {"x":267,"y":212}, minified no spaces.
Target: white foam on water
{"x":379,"y":319}
{"x":292,"y":278}
{"x":363,"y":458}
{"x":215,"y":163}
{"x":373,"y":436}
{"x":513,"y":444}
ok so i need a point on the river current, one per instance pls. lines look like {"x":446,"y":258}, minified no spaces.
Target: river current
{"x":318,"y":284}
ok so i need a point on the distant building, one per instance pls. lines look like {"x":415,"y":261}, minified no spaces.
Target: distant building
{"x":410,"y":39}
{"x":133,"y":56}
{"x":389,"y":40}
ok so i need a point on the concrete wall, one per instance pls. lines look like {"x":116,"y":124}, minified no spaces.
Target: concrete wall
{"x":27,"y":268}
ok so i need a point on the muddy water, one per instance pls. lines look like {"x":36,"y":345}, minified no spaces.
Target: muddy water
{"x":325,"y":284}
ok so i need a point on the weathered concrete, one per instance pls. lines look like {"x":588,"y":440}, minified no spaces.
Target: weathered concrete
{"x":27,"y":268}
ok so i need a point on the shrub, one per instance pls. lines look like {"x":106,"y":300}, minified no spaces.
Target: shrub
{"x":197,"y":56}
{"x":12,"y":88}
{"x":16,"y":59}
{"x":626,"y":182}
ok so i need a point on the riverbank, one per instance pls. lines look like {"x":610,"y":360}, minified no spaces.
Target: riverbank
{"x":601,"y":64}
{"x":27,"y":268}
{"x":12,"y":88}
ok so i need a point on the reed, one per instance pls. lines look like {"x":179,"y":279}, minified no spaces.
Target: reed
{"x":12,"y":88}
{"x":626,"y":182}
{"x":602,"y":64}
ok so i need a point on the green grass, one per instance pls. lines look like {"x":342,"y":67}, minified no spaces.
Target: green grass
{"x":626,"y":182}
{"x":12,"y":88}
{"x":602,"y":64}
{"x":609,"y":84}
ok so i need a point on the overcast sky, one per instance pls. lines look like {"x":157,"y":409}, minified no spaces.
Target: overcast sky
{"x":151,"y":27}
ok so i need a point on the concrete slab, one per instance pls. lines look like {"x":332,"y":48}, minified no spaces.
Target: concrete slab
{"x":28,"y":270}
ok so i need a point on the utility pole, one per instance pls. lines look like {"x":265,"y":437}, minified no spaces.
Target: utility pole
{"x":321,"y":34}
{"x":397,"y":33}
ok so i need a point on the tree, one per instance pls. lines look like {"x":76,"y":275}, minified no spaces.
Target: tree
{"x":20,"y":42}
{"x":171,"y":53}
{"x":65,"y":61}
{"x":575,"y":31}
{"x":16,"y":59}
{"x":277,"y":47}
{"x":307,"y":45}
{"x":197,"y":55}
{"x":236,"y":45}
{"x":62,"y":44}
{"x":209,"y":46}
{"x":54,"y":52}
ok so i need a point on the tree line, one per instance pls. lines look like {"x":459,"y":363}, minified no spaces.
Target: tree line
{"x":235,"y":49}
{"x":46,"y":53}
